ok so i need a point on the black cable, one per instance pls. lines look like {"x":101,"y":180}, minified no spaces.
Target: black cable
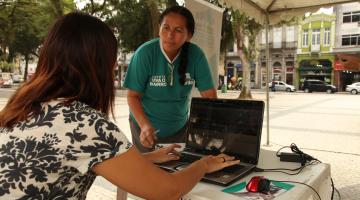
{"x":283,"y":170}
{"x":322,"y":150}
{"x":337,"y":191}
{"x":306,"y":160}
{"x":302,"y":184}
{"x":334,"y":189}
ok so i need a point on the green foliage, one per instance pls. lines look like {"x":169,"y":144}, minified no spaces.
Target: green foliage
{"x":27,"y":28}
{"x":133,"y":21}
{"x":245,"y":26}
{"x":132,"y":24}
{"x":24,"y":24}
{"x":6,"y":67}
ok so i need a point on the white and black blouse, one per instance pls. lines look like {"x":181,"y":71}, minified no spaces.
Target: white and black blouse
{"x":50,"y":156}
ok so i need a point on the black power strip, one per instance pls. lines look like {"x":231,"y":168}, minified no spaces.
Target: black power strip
{"x":291,"y":157}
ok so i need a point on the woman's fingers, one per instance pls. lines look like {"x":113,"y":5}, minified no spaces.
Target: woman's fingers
{"x":147,"y":139}
{"x":221,"y":161}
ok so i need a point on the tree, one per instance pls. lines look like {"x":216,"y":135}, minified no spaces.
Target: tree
{"x":244,"y":28}
{"x":6,"y":35}
{"x":136,"y":21}
{"x":27,"y":23}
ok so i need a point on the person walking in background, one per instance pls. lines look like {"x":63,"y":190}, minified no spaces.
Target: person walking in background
{"x":273,"y":86}
{"x":160,"y":77}
{"x":55,"y":134}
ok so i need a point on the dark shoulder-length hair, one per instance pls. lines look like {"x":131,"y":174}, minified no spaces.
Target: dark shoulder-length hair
{"x":76,"y":63}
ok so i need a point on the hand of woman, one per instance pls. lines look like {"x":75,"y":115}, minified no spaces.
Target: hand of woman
{"x":215,"y":163}
{"x":164,"y":154}
{"x":147,"y":136}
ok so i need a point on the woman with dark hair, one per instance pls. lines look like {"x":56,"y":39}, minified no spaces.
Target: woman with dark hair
{"x":55,"y":134}
{"x":160,"y":77}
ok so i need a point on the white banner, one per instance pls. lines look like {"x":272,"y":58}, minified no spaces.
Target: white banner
{"x":208,"y":21}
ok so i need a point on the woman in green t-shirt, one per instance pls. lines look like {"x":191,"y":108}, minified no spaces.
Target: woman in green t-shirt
{"x":160,"y":77}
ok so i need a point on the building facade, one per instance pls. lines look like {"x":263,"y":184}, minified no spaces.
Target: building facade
{"x":315,"y":58}
{"x":282,"y":50}
{"x":233,"y":67}
{"x":347,"y":44}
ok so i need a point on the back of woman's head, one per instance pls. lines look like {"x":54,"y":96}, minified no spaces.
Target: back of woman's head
{"x":76,"y":63}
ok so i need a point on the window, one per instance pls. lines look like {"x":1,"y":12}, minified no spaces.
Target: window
{"x":305,"y":38}
{"x":289,"y":63}
{"x":315,"y":37}
{"x":290,"y":35}
{"x":355,"y":16}
{"x":350,"y":40}
{"x":349,"y":17}
{"x":327,"y":36}
{"x":345,"y":40}
{"x":277,"y":37}
{"x":277,"y":64}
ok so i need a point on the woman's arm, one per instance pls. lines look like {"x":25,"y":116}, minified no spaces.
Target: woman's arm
{"x":210,"y":93}
{"x":147,"y":135}
{"x":137,"y":175}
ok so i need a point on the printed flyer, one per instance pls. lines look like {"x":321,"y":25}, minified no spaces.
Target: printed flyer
{"x":276,"y":189}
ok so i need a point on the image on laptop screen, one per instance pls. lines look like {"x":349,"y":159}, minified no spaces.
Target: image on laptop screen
{"x":226,"y":126}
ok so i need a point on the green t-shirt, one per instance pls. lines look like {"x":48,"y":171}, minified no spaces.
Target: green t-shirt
{"x":149,"y":73}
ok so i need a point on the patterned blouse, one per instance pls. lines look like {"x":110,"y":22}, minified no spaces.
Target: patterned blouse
{"x":50,"y":155}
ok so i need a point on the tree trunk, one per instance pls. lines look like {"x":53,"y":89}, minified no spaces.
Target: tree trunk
{"x":240,"y":44}
{"x":26,"y":67}
{"x":154,"y":17}
{"x":245,"y":88}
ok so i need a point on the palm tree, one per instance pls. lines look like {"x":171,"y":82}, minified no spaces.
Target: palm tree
{"x":244,"y":28}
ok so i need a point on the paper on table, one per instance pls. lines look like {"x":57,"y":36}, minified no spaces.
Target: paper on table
{"x":276,"y":188}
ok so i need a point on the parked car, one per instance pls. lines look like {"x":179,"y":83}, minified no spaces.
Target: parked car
{"x":282,"y":86}
{"x":7,"y":83}
{"x":353,"y":88}
{"x":16,"y":78}
{"x":313,"y":85}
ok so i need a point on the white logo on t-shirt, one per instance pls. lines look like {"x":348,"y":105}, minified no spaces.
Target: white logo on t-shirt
{"x":188,"y":79}
{"x":158,"y":81}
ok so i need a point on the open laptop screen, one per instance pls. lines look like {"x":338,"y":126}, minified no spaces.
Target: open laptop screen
{"x":228,"y":126}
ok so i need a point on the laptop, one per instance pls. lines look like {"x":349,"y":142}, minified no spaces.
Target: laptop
{"x":229,"y":126}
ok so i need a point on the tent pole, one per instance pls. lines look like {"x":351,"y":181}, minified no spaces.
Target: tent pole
{"x":267,"y":79}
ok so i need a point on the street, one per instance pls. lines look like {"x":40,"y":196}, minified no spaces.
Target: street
{"x":325,"y":126}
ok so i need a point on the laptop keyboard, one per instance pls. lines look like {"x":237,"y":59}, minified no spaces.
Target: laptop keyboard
{"x":189,"y":158}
